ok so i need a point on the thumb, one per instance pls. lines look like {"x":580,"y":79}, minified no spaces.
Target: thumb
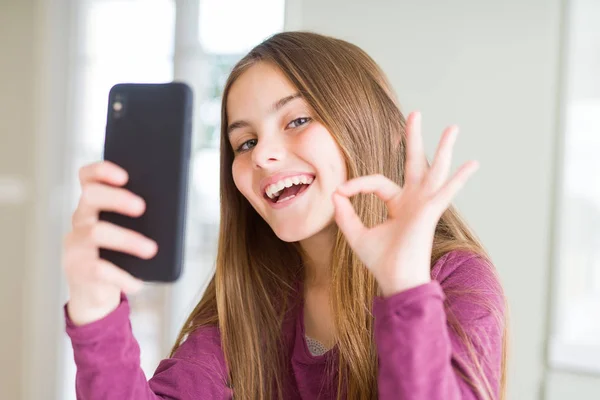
{"x":347,"y":219}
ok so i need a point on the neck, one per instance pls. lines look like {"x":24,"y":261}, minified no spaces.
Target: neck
{"x":316,"y":254}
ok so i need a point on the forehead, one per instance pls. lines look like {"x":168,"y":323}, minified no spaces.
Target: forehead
{"x":256,"y":89}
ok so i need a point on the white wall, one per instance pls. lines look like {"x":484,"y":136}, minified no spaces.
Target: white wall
{"x":493,"y":68}
{"x":16,"y":164}
{"x":562,"y":385}
{"x":33,"y":87}
{"x":580,"y":82}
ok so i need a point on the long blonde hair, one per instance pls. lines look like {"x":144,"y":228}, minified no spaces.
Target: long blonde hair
{"x":254,"y":287}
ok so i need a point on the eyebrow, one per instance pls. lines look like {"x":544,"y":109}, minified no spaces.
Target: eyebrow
{"x":274,"y":108}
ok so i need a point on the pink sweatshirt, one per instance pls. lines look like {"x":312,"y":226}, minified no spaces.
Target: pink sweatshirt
{"x":416,"y":347}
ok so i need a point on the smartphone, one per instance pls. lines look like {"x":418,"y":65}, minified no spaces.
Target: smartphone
{"x":149,"y":134}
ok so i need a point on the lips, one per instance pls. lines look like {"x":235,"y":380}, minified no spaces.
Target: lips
{"x":285,"y":203}
{"x":264,"y":183}
{"x":291,"y":191}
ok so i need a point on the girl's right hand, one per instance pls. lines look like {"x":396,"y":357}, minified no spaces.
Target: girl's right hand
{"x":95,"y":284}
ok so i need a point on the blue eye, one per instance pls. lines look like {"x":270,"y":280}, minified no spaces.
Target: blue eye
{"x":249,"y":144}
{"x":245,"y":146}
{"x":299,"y":121}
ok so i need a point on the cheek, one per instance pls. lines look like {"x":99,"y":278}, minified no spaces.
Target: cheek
{"x":337,"y":168}
{"x":338,"y":163}
{"x":240,"y":176}
{"x":327,"y":155}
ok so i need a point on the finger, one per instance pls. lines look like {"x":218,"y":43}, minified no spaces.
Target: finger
{"x":440,"y":168}
{"x":383,"y":187}
{"x":347,"y":220}
{"x":107,"y":272}
{"x":416,"y":161}
{"x":455,"y":184}
{"x":109,"y":236}
{"x":96,"y":197}
{"x":76,"y":249}
{"x":103,"y":171}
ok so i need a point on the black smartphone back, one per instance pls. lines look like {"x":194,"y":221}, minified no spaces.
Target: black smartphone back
{"x":149,"y":134}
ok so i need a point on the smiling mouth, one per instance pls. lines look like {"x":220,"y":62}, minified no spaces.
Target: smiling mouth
{"x":288,"y":193}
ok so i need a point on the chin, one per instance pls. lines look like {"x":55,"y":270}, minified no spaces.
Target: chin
{"x":298,"y":232}
{"x":292,"y":234}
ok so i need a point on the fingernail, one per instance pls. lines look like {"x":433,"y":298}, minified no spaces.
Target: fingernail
{"x":120,"y":176}
{"x":150,"y":248}
{"x":138,"y":204}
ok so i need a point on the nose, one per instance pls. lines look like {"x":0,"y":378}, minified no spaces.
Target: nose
{"x":268,"y":152}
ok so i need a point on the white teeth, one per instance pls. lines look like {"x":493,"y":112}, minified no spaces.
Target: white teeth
{"x":273,"y":190}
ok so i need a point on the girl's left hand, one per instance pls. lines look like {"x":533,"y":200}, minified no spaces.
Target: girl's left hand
{"x":398,"y":251}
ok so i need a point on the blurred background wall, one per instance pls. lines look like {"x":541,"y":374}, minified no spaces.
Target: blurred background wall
{"x":503,"y":71}
{"x":16,"y":163}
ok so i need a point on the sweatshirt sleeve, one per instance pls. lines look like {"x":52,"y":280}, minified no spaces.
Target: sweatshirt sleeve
{"x":107,"y":357}
{"x":421,"y":355}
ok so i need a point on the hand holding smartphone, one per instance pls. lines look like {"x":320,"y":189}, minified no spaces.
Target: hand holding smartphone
{"x":149,"y":134}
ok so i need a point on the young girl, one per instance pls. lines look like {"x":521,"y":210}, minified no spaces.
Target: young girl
{"x":342,"y":269}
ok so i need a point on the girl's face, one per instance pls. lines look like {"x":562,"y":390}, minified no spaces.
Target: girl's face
{"x":286,"y":164}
